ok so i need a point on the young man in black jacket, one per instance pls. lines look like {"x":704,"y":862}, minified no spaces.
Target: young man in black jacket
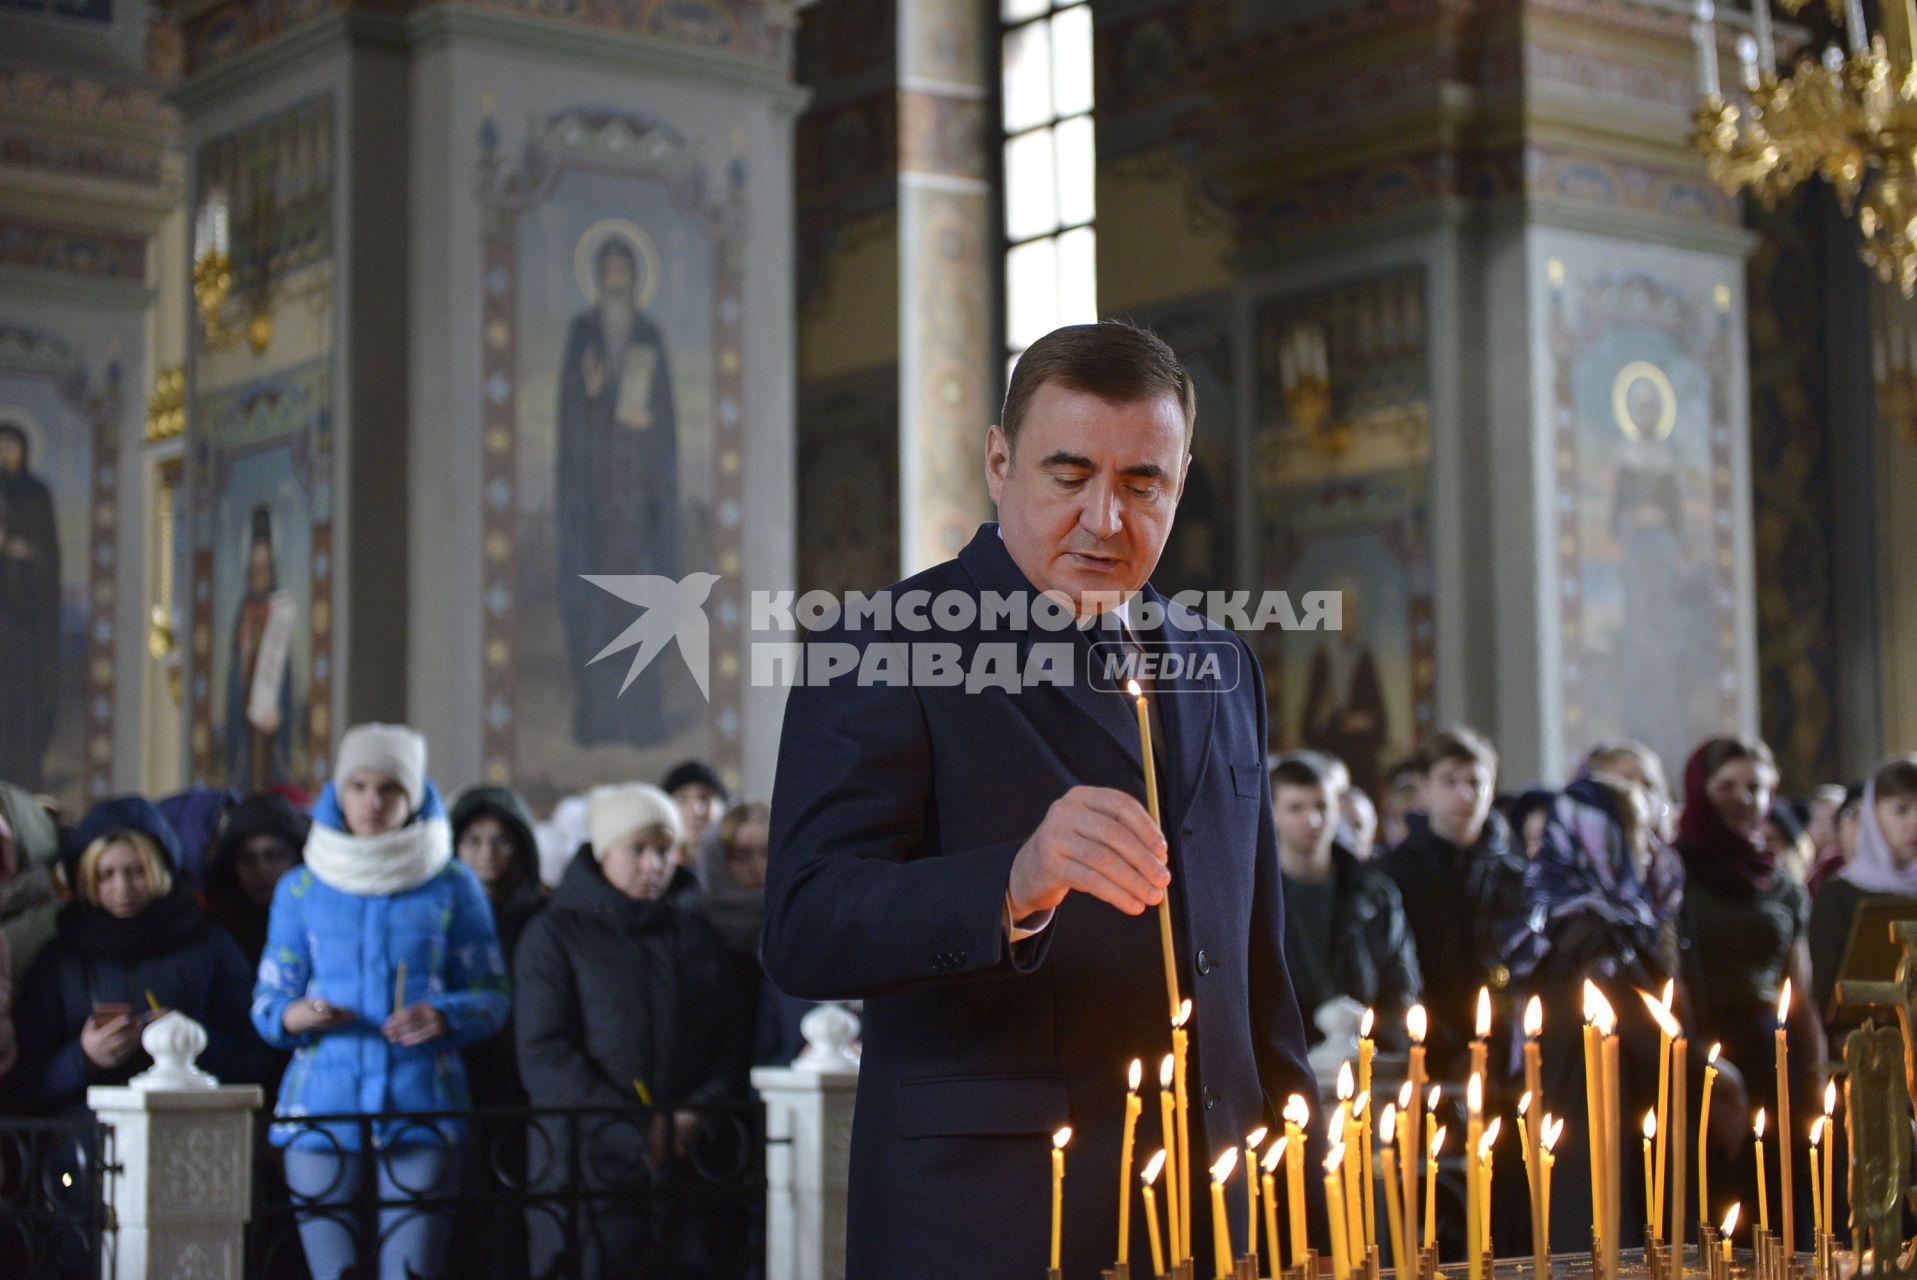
{"x":1345,"y":931}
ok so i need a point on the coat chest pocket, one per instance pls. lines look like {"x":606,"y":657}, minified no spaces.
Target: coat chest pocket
{"x":972,"y":1106}
{"x":1247,"y":780}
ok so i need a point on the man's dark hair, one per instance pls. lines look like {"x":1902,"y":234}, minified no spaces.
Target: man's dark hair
{"x":1118,"y":362}
{"x":1457,"y":744}
{"x":1292,"y":771}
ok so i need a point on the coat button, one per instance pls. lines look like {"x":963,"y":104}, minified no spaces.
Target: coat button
{"x":1211,"y":1100}
{"x":1204,"y":963}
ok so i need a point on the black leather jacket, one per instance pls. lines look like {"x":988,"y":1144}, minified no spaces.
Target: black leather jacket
{"x":1373,"y":959}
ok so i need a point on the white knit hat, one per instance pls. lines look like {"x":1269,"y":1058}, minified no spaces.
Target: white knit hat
{"x":392,"y":750}
{"x":617,"y":811}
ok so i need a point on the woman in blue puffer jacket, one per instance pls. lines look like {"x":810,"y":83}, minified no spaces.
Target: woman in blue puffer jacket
{"x":380,"y":902}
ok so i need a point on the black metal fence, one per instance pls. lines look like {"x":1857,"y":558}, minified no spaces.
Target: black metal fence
{"x":514,"y":1193}
{"x":53,"y":1197}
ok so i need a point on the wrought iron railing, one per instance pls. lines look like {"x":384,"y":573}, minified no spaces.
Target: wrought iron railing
{"x":54,"y":1176}
{"x":522,"y":1193}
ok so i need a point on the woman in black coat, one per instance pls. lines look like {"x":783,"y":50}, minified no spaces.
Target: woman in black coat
{"x":492,"y":835}
{"x":132,"y":939}
{"x":622,"y":998}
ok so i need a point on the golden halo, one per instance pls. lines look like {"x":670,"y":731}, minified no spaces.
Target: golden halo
{"x":586,"y":253}
{"x":20,"y":416}
{"x":1645,"y":371}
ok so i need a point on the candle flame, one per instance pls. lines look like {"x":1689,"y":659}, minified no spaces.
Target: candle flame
{"x":1730,"y":1220}
{"x":1553,"y":1130}
{"x":1670,"y":993}
{"x":1414,"y":1022}
{"x":1661,"y":1014}
{"x":1484,"y":1012}
{"x":1297,"y":1110}
{"x":1165,"y":1070}
{"x":1152,"y":1168}
{"x":1361,"y":1103}
{"x":1404,"y":1097}
{"x":1490,"y":1138}
{"x":1715,"y":1050}
{"x":1346,"y":1087}
{"x":1524,"y":1103}
{"x":1137,"y":1074}
{"x":1184,"y":1013}
{"x":1336,"y":1158}
{"x":1606,"y":1016}
{"x":1757,"y":1125}
{"x":1388,"y":1123}
{"x":1437,"y":1142}
{"x":1433,"y":1098}
{"x":1784,"y":1003}
{"x":1334,"y":1127}
{"x":1533,"y":1018}
{"x":1131,"y":687}
{"x":1817,"y":1131}
{"x":1474,"y":1093}
{"x":1275,"y":1155}
{"x":1062,"y":1137}
{"x":1222,"y":1169}
{"x":1256,"y":1138}
{"x":1650,"y":1125}
{"x":1592,"y":998}
{"x":1365,"y":1024}
{"x":1830,"y":1098}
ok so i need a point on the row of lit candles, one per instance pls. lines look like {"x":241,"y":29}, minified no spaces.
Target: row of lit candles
{"x":1349,"y":1171}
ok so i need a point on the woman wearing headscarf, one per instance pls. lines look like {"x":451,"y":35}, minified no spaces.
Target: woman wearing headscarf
{"x":493,"y":836}
{"x":1745,"y":932}
{"x":259,"y":842}
{"x":1602,"y":896}
{"x":133,"y":941}
{"x":381,"y":965}
{"x":1885,"y":866}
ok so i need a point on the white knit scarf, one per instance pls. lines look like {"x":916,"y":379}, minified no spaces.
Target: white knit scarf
{"x":374,"y":866}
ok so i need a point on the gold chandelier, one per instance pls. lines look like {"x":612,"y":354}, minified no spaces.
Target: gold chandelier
{"x":1850,"y":117}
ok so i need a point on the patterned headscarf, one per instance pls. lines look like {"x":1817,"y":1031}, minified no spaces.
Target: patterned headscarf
{"x":1585,"y":868}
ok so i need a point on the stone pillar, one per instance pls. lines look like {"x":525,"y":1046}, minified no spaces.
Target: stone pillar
{"x":184,"y":1144}
{"x":808,"y":1121}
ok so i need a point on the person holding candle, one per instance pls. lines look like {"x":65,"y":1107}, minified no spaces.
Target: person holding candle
{"x":981,"y":865}
{"x":1462,"y":884}
{"x":379,"y":888}
{"x":1345,"y":930}
{"x":1745,"y":926}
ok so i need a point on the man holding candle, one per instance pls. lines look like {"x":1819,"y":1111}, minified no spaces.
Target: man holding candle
{"x":977,"y":864}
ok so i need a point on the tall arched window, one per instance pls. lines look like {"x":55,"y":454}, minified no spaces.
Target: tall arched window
{"x":1051,"y":275}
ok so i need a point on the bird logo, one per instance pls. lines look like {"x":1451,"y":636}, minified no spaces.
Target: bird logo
{"x":674,"y":610}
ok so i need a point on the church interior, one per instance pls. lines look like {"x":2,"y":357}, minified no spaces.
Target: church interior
{"x":353,"y":353}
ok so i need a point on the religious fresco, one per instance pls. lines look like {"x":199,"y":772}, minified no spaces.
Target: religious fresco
{"x":849,"y":481}
{"x":1640,"y":366}
{"x":60,"y":405}
{"x":614,"y":410}
{"x":259,"y":463}
{"x":1343,"y":454}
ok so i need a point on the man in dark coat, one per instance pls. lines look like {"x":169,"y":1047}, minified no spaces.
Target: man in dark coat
{"x":29,"y":614}
{"x":977,"y":866}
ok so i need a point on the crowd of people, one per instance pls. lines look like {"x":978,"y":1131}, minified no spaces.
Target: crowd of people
{"x":379,"y":951}
{"x":376,"y":952}
{"x":1722,"y":895}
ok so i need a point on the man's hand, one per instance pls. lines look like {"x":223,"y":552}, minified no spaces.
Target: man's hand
{"x":1093,"y":840}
